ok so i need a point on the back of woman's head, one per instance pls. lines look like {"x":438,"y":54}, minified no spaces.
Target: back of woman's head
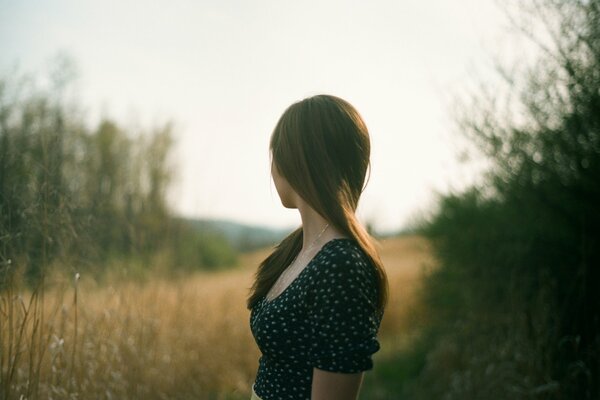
{"x":321,"y":146}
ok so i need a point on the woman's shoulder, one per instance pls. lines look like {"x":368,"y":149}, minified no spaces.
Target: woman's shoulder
{"x":344,"y":271}
{"x":343,"y":248}
{"x":344,"y":255}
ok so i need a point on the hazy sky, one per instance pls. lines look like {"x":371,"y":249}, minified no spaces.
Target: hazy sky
{"x":224,"y":71}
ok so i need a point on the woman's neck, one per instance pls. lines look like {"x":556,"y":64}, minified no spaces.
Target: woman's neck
{"x":313,"y":225}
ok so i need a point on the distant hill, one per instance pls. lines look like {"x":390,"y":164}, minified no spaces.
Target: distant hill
{"x":241,"y":237}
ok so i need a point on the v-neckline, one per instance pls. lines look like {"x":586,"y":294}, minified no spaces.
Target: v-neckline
{"x":312,"y":260}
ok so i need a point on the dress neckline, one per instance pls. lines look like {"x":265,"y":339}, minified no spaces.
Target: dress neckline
{"x":310,"y":262}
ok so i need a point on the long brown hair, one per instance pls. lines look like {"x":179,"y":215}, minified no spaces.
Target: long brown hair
{"x":321,"y":146}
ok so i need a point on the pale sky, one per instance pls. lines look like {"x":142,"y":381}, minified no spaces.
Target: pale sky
{"x":224,"y":71}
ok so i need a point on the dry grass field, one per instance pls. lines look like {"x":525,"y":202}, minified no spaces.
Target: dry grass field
{"x":181,"y":339}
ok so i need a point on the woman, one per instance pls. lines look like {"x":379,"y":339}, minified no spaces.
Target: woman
{"x":317,"y":301}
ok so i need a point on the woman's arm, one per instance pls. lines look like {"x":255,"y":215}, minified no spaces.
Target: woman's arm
{"x":335,"y":386}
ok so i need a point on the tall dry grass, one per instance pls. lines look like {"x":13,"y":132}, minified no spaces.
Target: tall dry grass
{"x":161,"y":339}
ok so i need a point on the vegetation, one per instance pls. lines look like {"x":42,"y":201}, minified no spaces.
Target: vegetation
{"x":163,"y":338}
{"x":83,"y":197}
{"x":514,"y":310}
{"x":178,"y":338}
{"x":79,"y":201}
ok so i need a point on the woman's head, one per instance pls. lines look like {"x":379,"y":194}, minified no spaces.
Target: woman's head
{"x":320,"y":147}
{"x":320,"y":153}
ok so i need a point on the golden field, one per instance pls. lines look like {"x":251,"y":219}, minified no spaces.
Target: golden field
{"x":177,"y":339}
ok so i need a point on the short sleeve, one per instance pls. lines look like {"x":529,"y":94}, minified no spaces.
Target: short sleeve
{"x":342,"y":313}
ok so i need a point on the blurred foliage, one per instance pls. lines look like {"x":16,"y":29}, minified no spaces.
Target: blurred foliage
{"x":81,"y":196}
{"x":193,"y":247}
{"x":515,"y":306}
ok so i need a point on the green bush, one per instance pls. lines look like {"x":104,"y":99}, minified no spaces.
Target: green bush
{"x":515,"y":306}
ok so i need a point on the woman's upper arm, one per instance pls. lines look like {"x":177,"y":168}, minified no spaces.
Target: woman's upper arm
{"x":335,"y":386}
{"x":344,"y":323}
{"x":343,"y":317}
